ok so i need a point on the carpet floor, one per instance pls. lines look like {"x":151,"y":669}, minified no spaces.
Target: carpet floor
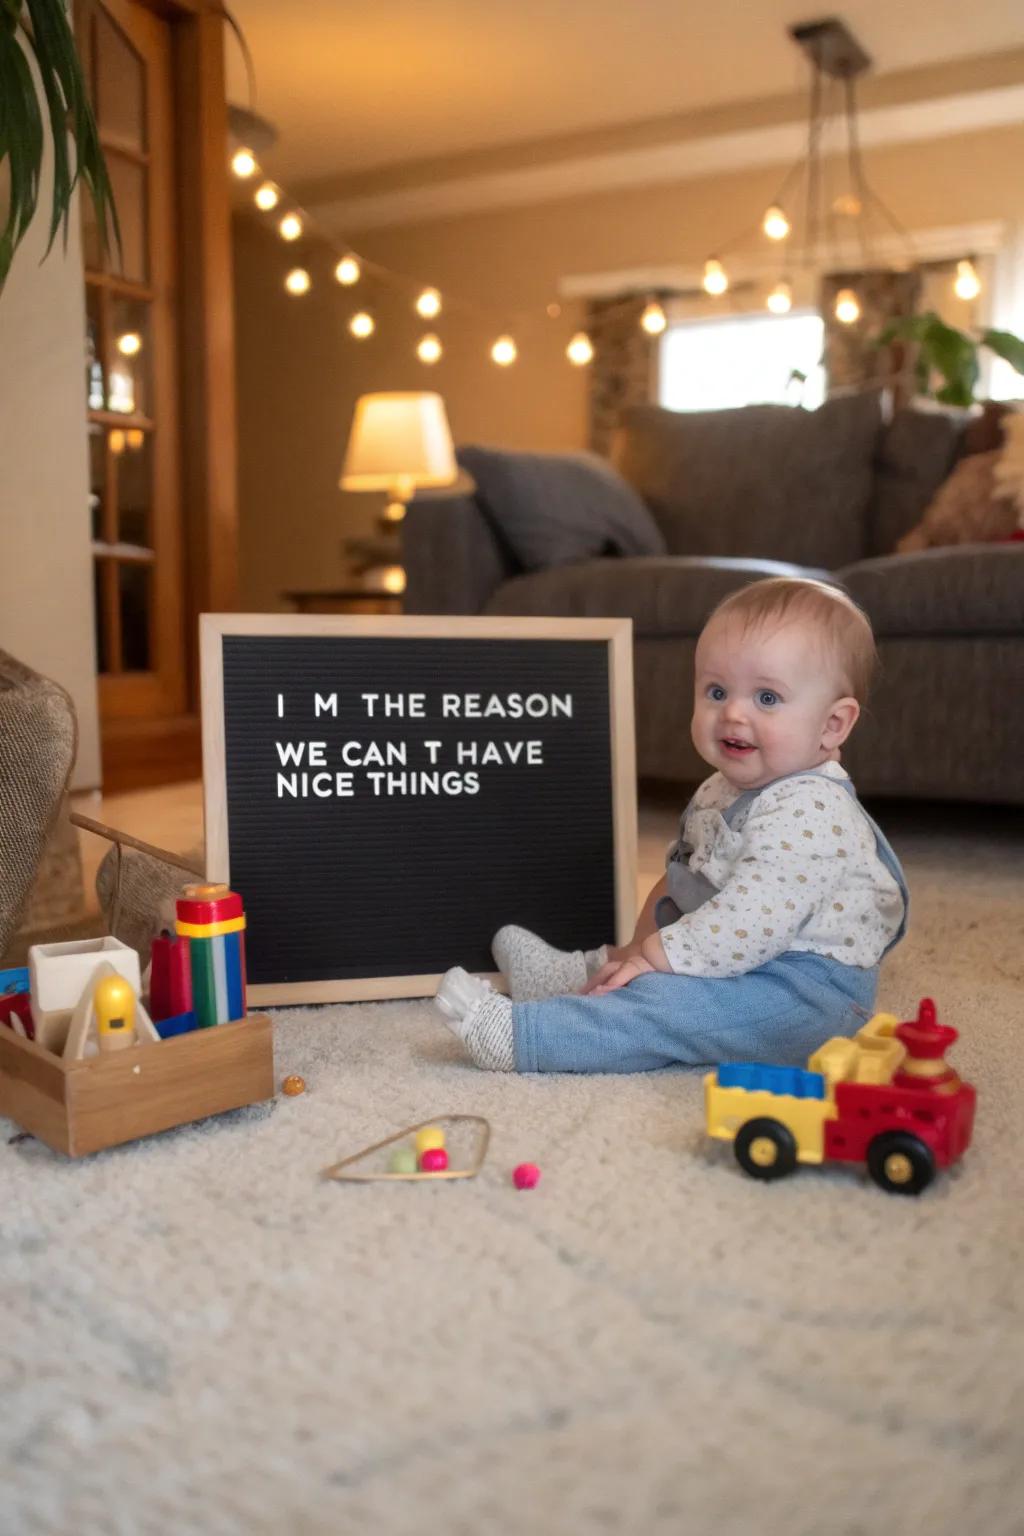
{"x":201,"y":1336}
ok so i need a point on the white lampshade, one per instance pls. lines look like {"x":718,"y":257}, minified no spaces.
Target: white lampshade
{"x":399,"y":442}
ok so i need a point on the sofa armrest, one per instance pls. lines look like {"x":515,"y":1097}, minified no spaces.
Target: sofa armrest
{"x":452,"y":557}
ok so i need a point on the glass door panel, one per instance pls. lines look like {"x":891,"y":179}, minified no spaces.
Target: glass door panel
{"x":131,"y":373}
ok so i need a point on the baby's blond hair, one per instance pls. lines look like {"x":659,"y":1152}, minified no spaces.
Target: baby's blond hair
{"x":841,"y":623}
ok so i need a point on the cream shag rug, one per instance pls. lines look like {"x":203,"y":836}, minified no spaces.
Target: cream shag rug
{"x":201,"y":1337}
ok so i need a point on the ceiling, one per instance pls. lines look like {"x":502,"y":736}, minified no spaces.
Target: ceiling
{"x":357,"y":84}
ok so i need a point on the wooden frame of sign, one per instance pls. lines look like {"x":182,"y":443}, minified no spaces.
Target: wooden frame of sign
{"x":615,"y":636}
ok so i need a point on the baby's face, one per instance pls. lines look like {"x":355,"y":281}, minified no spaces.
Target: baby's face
{"x":765,"y":701}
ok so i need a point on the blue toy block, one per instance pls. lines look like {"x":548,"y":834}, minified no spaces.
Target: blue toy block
{"x":178,"y":1024}
{"x":756,"y":1076}
{"x":14,"y":980}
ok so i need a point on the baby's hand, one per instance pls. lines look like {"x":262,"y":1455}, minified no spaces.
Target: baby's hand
{"x":623,"y":973}
{"x":599,"y":977}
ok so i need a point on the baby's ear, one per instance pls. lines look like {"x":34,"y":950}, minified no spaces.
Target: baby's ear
{"x":840,"y":721}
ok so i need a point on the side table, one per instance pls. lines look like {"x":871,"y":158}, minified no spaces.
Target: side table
{"x":345,"y":600}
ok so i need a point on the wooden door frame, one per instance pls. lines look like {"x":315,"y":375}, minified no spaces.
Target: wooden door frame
{"x":151,"y":751}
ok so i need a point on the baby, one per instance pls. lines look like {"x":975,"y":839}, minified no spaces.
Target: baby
{"x":780,"y":896}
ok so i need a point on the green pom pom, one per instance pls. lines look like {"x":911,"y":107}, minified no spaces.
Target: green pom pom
{"x":403,"y":1160}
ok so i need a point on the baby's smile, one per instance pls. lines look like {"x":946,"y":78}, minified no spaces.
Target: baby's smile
{"x":734,"y":746}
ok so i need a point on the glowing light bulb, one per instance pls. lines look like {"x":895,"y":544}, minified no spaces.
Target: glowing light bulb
{"x":298,"y":281}
{"x":129,"y":344}
{"x":428,"y":349}
{"x":116,"y":441}
{"x":266,"y":196}
{"x":290,"y":227}
{"x":847,"y":306}
{"x":429,"y":303}
{"x":504,"y":351}
{"x":775,"y":224}
{"x":715,"y":280}
{"x":968,"y":283}
{"x":347,"y":271}
{"x":243,"y":163}
{"x":362,"y":325}
{"x":393,"y":579}
{"x":847,"y":205}
{"x":780,"y":300}
{"x":135,"y":437}
{"x":653,"y":318}
{"x":579,"y":351}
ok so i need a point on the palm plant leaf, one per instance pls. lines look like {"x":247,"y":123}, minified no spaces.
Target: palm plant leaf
{"x":1007,"y":346}
{"x":49,"y":38}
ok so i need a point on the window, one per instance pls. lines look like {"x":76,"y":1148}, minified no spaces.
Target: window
{"x":742,"y":360}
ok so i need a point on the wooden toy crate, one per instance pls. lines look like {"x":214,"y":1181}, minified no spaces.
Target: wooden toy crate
{"x":83,"y":1106}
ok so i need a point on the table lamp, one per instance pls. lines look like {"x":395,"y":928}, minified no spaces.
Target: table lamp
{"x":399,"y":443}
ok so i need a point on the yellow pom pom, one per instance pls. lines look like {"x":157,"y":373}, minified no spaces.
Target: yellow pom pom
{"x":428,"y":1139}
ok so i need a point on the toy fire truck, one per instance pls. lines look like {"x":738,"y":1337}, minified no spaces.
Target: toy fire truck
{"x":886,"y":1098}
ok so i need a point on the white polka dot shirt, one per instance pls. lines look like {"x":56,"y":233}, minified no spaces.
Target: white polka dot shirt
{"x":798,"y":870}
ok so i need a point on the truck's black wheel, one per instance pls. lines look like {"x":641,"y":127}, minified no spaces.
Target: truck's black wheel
{"x":766,"y":1149}
{"x":900,"y":1163}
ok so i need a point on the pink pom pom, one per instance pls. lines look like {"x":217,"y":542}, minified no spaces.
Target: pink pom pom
{"x":433,"y":1160}
{"x":526,"y":1176}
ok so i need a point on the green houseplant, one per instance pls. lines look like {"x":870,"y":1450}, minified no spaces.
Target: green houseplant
{"x":39,"y":30}
{"x":950,"y":356}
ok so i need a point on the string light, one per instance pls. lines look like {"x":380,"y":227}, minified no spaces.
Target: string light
{"x":266,"y":196}
{"x":362,"y":324}
{"x":968,"y":283}
{"x":429,"y":303}
{"x":135,"y":437}
{"x":243,"y":163}
{"x":129,"y":344}
{"x":290,"y":227}
{"x":504,"y":351}
{"x":847,"y":306}
{"x":347,"y":271}
{"x":298,"y":281}
{"x":393,"y":579}
{"x":428,"y":349}
{"x":775,"y":225}
{"x":780,"y":300}
{"x":653,"y":318}
{"x":715,"y":280}
{"x":116,"y":442}
{"x":579,"y":351}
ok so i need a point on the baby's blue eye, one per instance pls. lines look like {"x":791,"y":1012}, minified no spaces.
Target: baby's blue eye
{"x":767,"y":698}
{"x":716,"y":691}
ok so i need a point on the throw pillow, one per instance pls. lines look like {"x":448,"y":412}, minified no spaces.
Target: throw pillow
{"x":554,"y":508}
{"x":772,"y":481}
{"x":967,"y":508}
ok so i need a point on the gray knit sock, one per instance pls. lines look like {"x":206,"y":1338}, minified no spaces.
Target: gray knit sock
{"x":534,"y":969}
{"x":481,"y":1018}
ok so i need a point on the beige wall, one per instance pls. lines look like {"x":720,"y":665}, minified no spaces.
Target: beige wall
{"x":46,"y":614}
{"x":299,"y":372}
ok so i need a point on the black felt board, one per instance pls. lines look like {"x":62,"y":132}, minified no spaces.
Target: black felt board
{"x":378,"y":885}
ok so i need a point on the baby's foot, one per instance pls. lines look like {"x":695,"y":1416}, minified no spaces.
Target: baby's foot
{"x":535,"y":969}
{"x":481,"y":1018}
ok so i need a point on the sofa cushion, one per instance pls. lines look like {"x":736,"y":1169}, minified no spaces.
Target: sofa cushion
{"x":915,"y":454}
{"x":970,"y":589}
{"x":772,"y":481}
{"x":670,"y":595}
{"x":551,"y":508}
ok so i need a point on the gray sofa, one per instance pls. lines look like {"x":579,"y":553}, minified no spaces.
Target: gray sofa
{"x":709,"y":501}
